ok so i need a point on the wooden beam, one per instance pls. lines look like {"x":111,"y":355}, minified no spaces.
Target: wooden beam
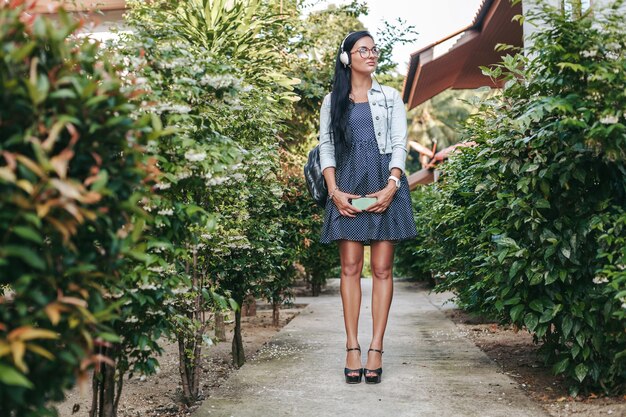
{"x":421,"y":177}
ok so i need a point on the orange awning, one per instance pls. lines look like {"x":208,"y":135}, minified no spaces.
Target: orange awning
{"x":459,"y":66}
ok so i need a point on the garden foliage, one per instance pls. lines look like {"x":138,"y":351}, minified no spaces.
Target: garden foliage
{"x":71,"y":170}
{"x":529,"y":225}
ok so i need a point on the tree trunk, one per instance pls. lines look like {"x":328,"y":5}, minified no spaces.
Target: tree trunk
{"x":220,"y":327}
{"x":95,"y":387}
{"x":185,"y":370}
{"x":249,"y":306}
{"x":316,"y":288}
{"x":577,"y":8}
{"x":197,"y":355}
{"x":108,"y":409}
{"x":275,"y":314}
{"x":238,"y":355}
{"x":105,"y":397}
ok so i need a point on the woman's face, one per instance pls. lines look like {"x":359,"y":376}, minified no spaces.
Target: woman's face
{"x":362,"y":57}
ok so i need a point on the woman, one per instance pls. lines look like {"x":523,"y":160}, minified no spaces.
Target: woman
{"x":362,"y":153}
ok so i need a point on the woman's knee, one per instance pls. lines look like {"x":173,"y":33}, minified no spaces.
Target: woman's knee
{"x":352,"y":268}
{"x":381,"y":271}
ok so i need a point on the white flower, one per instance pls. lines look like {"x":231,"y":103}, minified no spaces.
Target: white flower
{"x":165,"y":212}
{"x":163,"y":185}
{"x":195,"y":156}
{"x":180,"y":108}
{"x":614,"y":46}
{"x":148,"y":287}
{"x":600,"y":280}
{"x":219,"y":81}
{"x":187,"y":80}
{"x":216,"y":181}
{"x":182,"y":175}
{"x":588,"y":54}
{"x":609,"y":120}
{"x":623,"y":305}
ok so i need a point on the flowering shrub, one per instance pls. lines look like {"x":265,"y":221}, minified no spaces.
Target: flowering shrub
{"x":216,"y":209}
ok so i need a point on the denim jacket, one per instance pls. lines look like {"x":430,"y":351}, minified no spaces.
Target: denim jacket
{"x":389,"y":126}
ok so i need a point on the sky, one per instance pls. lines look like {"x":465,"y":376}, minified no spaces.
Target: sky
{"x":433,"y":20}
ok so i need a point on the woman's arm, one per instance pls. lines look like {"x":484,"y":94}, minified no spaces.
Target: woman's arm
{"x":327,"y":163}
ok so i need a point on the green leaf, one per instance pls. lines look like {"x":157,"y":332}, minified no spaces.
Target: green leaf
{"x":536,"y":305}
{"x":551,"y":277}
{"x":531,"y":321}
{"x":109,"y":337}
{"x":511,"y":301}
{"x":560,"y":366}
{"x":547,"y":315}
{"x":27,"y":255}
{"x":28,"y":234}
{"x":10,"y":376}
{"x":516,"y":312}
{"x":581,"y":371}
{"x":575,"y":350}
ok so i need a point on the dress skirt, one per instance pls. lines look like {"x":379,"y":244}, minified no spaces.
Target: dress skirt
{"x":364,"y":170}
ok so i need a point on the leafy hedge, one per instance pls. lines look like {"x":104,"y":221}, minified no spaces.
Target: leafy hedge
{"x":70,"y":172}
{"x":530,"y":223}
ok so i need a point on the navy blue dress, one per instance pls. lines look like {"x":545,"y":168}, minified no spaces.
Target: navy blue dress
{"x":362,"y":171}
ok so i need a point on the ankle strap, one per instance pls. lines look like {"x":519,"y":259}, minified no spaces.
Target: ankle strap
{"x":356,"y":348}
{"x":375,"y":350}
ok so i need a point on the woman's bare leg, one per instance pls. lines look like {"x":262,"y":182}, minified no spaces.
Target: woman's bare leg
{"x":351,"y":255}
{"x":382,"y":294}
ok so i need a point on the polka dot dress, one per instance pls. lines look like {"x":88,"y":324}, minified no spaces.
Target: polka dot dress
{"x":362,"y":171}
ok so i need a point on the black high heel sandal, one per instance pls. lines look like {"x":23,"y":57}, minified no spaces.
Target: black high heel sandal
{"x":375,"y":379}
{"x":353,"y":379}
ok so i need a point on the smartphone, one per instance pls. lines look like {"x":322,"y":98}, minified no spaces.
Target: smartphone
{"x":363,"y":202}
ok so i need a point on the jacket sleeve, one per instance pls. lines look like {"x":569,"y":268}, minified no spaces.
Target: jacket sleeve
{"x":398,"y":133}
{"x":327,"y":146}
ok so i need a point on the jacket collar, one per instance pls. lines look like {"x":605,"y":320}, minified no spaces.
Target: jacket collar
{"x":375,"y":85}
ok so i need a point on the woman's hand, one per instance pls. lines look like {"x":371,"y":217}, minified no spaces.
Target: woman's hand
{"x":384,"y":198}
{"x":341,"y":202}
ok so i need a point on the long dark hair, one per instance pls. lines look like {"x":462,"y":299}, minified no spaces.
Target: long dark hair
{"x":340,"y":96}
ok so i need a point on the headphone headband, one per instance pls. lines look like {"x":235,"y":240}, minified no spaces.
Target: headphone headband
{"x":344,"y":57}
{"x":344,"y":40}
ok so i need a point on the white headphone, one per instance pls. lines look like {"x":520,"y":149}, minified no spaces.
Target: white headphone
{"x":344,"y":57}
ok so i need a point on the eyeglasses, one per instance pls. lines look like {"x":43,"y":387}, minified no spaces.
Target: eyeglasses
{"x":365,"y":52}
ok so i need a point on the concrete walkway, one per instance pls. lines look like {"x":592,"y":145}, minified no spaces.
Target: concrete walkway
{"x":430,"y":368}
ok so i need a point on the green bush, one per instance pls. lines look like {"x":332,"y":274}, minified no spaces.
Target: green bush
{"x":531,"y":221}
{"x":415,"y":258}
{"x":70,"y":170}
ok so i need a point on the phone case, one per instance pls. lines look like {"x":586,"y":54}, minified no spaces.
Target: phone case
{"x":363,"y":202}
